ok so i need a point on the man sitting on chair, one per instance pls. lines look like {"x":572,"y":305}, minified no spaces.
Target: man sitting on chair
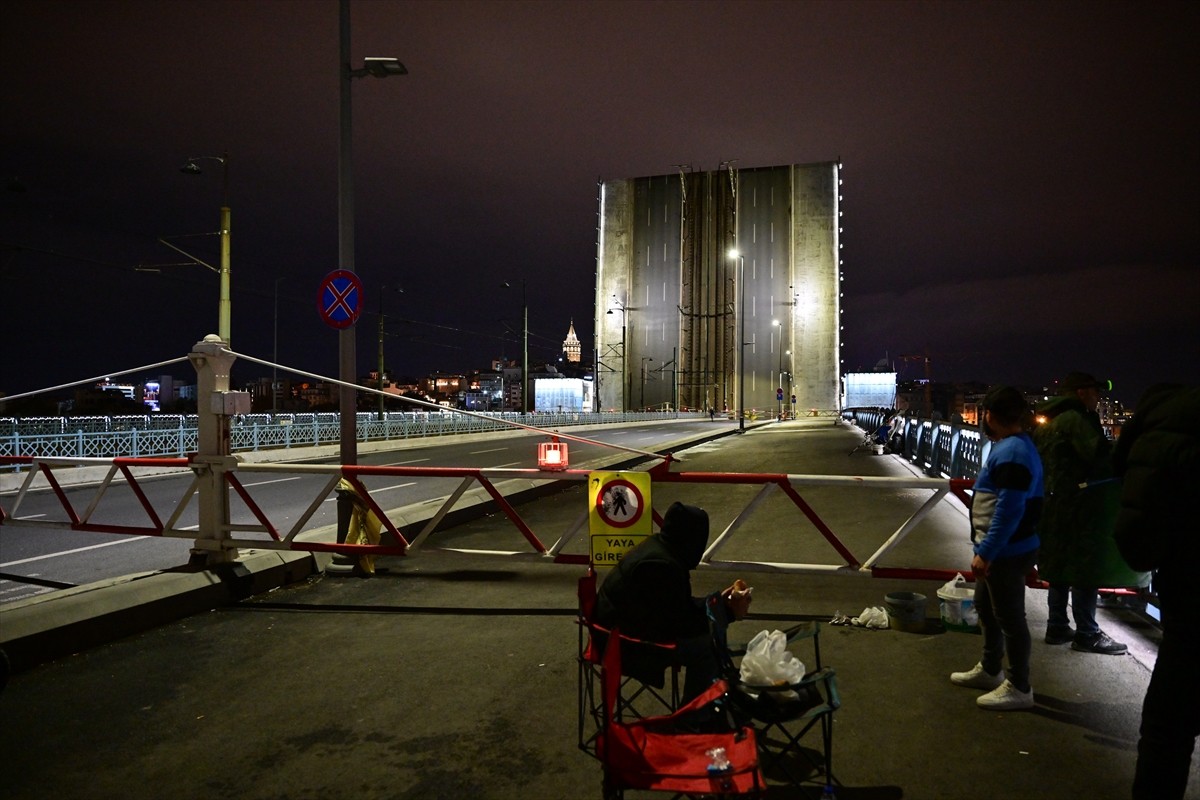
{"x":648,"y":595}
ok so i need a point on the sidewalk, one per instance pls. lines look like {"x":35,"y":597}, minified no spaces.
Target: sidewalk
{"x":452,"y":676}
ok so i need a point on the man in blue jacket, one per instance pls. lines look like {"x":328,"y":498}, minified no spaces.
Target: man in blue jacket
{"x":1005,"y":508}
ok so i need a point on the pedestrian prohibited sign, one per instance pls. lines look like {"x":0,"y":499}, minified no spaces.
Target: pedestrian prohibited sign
{"x":619,"y":514}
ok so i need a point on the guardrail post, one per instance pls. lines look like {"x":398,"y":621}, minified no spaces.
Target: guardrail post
{"x":212,"y":459}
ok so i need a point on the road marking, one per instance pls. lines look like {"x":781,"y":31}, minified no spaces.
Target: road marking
{"x":276,"y":480}
{"x":71,"y":552}
{"x":501,"y":466}
{"x":493,"y":450}
{"x":397,"y":486}
{"x":402,"y":463}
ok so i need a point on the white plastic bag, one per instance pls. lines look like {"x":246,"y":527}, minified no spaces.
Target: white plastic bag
{"x":871,"y":617}
{"x":768,"y":663}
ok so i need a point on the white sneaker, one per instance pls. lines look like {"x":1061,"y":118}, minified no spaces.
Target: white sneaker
{"x":1006,"y":697}
{"x":977,"y":678}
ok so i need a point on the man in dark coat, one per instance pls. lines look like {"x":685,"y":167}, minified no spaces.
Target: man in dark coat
{"x":1078,"y":554}
{"x":1158,"y":456}
{"x":648,"y":595}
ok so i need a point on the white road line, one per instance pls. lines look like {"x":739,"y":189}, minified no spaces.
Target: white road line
{"x":493,"y":450}
{"x":501,"y":466}
{"x":397,"y":486}
{"x":70,"y":552}
{"x":402,"y":463}
{"x":276,"y":480}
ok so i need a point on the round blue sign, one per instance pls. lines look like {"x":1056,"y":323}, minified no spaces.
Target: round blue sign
{"x":339,"y":302}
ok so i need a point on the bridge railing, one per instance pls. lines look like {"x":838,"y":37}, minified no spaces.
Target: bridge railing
{"x":939,"y":449}
{"x":176,"y":436}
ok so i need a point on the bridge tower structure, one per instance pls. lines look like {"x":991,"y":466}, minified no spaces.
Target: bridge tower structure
{"x":668,"y":299}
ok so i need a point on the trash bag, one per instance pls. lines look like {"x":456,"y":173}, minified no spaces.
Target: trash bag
{"x":365,"y":527}
{"x":768,"y":663}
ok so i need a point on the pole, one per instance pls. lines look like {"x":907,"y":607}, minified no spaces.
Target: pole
{"x":779,"y":388}
{"x":525,"y":408}
{"x":275,"y":353}
{"x":742,"y":348}
{"x":380,"y":365}
{"x":347,"y":368}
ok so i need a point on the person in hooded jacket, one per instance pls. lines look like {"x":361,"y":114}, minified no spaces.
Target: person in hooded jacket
{"x":1078,"y":553}
{"x":648,"y":595}
{"x":1158,"y":456}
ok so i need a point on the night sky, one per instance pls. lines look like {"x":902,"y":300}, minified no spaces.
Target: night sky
{"x":1021,"y":179}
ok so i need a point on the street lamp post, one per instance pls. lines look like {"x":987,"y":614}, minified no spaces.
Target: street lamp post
{"x":642,"y":393}
{"x":742,"y":339}
{"x":779,"y":388}
{"x":624,"y":391}
{"x":224,"y":306}
{"x":524,"y":346}
{"x":382,"y":289}
{"x":275,"y":353}
{"x":347,"y":366}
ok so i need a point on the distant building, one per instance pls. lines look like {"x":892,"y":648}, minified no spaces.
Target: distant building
{"x":571,"y":346}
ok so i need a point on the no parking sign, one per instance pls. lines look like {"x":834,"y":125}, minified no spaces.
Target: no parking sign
{"x":619,"y":514}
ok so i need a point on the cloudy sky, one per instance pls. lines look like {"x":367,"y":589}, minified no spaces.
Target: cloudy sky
{"x":1020,"y":178}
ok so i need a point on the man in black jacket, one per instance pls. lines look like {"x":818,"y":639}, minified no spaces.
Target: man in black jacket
{"x":648,"y":595}
{"x":1158,"y":455}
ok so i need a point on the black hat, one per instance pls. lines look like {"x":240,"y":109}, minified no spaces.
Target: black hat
{"x":1082,"y":380}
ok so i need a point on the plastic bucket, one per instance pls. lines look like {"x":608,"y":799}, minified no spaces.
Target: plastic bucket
{"x":957,"y":606}
{"x":906,"y":611}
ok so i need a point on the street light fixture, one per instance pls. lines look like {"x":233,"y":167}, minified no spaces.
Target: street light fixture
{"x":524,"y":346}
{"x":224,"y":306}
{"x":741,"y":287}
{"x":624,"y":391}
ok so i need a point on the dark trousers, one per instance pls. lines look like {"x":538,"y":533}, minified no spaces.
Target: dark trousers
{"x":1171,"y":711}
{"x":1000,"y":601}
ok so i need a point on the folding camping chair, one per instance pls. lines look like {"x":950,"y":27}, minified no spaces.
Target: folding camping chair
{"x":637,"y":697}
{"x":654,"y":754}
{"x":785,"y":713}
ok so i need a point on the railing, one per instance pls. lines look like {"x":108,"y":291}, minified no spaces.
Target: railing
{"x":176,"y":436}
{"x":939,"y":449}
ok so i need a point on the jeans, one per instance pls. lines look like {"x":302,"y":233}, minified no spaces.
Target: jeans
{"x":1083,"y":608}
{"x":1000,"y":601}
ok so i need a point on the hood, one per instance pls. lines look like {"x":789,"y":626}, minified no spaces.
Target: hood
{"x":685,"y":532}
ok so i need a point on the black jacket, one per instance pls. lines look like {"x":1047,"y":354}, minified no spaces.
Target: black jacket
{"x":649,"y":592}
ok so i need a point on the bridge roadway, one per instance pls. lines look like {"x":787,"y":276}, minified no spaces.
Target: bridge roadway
{"x":451,"y":675}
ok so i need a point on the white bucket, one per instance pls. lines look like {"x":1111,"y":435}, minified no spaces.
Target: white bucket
{"x":957,"y":605}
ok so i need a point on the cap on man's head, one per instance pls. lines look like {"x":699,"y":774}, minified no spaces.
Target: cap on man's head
{"x":1082,"y":380}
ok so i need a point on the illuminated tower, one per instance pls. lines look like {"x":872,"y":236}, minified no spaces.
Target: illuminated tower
{"x":571,"y":345}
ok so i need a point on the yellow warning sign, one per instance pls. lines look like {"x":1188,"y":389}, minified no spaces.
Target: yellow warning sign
{"x":619,"y":515}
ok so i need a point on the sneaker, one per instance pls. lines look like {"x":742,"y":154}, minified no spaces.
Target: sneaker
{"x":1059,"y":634}
{"x":1100,"y":643}
{"x":977,"y":678}
{"x":1006,"y":697}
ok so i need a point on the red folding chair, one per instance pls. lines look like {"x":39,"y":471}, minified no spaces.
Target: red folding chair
{"x":654,"y":754}
{"x":636,"y":697}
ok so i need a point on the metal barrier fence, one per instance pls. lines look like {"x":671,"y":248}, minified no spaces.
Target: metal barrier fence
{"x":265,"y":533}
{"x":174,"y":435}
